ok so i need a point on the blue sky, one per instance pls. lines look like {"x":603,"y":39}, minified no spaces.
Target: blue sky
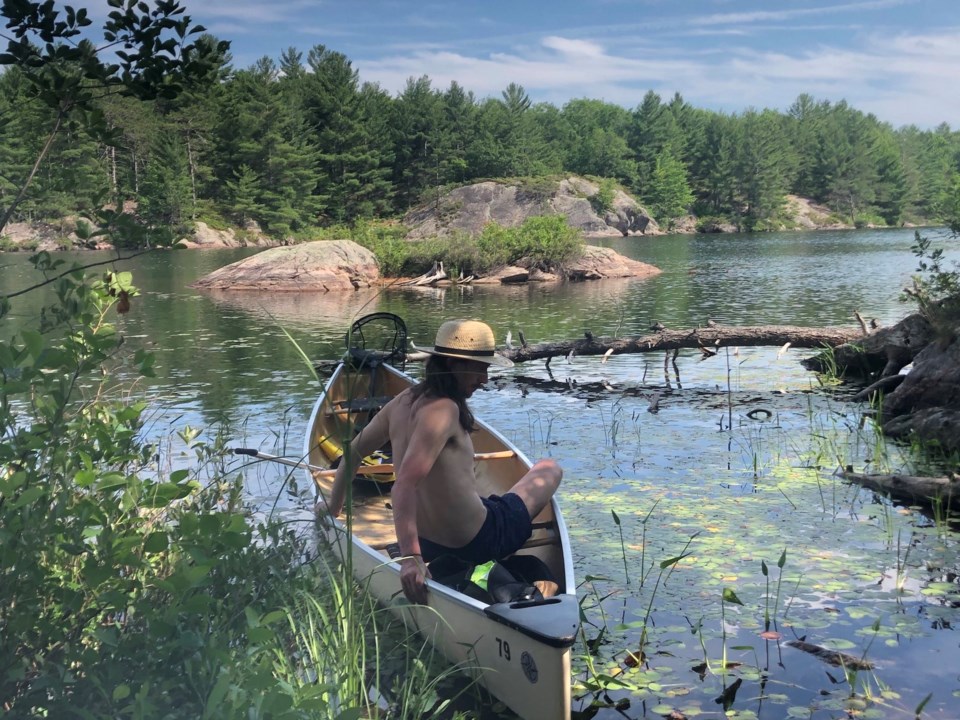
{"x":899,"y":59}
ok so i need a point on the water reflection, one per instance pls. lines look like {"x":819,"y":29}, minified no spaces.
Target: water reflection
{"x":326,"y":313}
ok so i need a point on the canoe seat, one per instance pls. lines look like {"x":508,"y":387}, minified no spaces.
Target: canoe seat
{"x":547,"y":535}
{"x":363,"y":404}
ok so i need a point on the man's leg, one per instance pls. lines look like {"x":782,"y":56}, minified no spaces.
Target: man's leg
{"x":538,"y":486}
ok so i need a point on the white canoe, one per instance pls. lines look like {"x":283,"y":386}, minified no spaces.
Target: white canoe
{"x":519,"y":651}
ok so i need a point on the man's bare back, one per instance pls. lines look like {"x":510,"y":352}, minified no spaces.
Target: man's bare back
{"x":448,"y":508}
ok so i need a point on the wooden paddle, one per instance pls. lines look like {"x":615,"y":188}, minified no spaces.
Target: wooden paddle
{"x":385,"y":469}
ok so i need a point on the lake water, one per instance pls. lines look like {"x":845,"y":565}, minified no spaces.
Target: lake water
{"x":734,"y":469}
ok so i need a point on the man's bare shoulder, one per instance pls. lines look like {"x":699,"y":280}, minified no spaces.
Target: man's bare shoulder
{"x":404,"y":405}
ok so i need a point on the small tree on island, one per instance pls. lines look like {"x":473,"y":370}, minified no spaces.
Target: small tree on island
{"x":669,"y":196}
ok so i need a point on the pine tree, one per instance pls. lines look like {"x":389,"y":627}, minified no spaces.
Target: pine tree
{"x":459,"y":119}
{"x":890,"y":190}
{"x":762,"y":167}
{"x":510,"y":142}
{"x":653,"y":128}
{"x":596,"y":143}
{"x":805,"y":118}
{"x":255,"y":129}
{"x":418,"y":124}
{"x":353,"y":167}
{"x":669,"y":196}
{"x":242,"y":195}
{"x":844,"y":171}
{"x":166,"y":198}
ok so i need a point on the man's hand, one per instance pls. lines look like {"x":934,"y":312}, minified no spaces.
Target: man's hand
{"x":324,"y":512}
{"x":413,"y":577}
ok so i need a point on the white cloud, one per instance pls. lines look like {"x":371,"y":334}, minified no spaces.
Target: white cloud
{"x":576,"y":48}
{"x":917,"y":68}
{"x":745,"y":18}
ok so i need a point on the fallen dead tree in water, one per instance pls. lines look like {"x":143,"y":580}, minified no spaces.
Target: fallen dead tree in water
{"x":706,"y":339}
{"x":911,"y":488}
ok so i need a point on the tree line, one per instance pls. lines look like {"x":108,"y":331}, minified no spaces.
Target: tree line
{"x":301,"y":142}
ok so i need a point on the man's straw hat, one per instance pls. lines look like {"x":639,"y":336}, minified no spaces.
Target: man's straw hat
{"x":466,"y":340}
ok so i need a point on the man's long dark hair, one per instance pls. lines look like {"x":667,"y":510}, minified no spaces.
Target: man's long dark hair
{"x":439,"y":381}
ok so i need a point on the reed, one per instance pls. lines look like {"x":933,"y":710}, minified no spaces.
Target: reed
{"x":623,"y":547}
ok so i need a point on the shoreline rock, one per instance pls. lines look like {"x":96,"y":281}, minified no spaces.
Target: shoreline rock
{"x":467,"y":209}
{"x":318,"y":266}
{"x":333,"y":265}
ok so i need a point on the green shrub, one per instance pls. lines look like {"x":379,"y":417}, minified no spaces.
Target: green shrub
{"x":386,"y":241}
{"x":117,"y":581}
{"x":707,"y":223}
{"x":868,"y":219}
{"x":534,"y":189}
{"x":543,"y":242}
{"x":128,"y":591}
{"x":602,"y":200}
{"x":936,"y":290}
{"x":83,"y":229}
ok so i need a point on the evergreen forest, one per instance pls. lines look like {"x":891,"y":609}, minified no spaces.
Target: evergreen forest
{"x":302,"y":143}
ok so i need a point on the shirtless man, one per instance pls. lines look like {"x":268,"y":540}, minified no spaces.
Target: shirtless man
{"x":436,"y":507}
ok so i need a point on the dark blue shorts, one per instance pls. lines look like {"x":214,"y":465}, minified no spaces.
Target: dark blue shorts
{"x":507,"y":527}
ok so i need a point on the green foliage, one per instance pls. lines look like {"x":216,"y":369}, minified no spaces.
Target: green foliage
{"x":602,"y":199}
{"x":543,"y":242}
{"x":96,"y":548}
{"x":868,"y":219}
{"x":385,"y":241}
{"x":936,"y":290}
{"x":67,"y":77}
{"x":669,"y":196}
{"x":536,"y":189}
{"x":707,"y":223}
{"x":303,"y":143}
{"x":167,"y":199}
{"x":130,"y":590}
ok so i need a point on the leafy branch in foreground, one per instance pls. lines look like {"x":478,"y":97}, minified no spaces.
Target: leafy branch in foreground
{"x":936,"y":289}
{"x":68,"y":75}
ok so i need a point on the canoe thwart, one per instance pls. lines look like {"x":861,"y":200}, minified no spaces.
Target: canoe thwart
{"x":363,"y":404}
{"x":385,"y":469}
{"x":496,"y":455}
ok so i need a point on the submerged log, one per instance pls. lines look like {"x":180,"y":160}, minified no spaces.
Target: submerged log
{"x":911,"y":488}
{"x":704,"y":338}
{"x":834,"y":657}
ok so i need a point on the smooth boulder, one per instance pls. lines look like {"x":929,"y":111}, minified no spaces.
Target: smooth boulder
{"x":318,"y":266}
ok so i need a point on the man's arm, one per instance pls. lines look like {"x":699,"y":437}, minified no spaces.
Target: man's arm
{"x":433,"y":425}
{"x":373,"y":437}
